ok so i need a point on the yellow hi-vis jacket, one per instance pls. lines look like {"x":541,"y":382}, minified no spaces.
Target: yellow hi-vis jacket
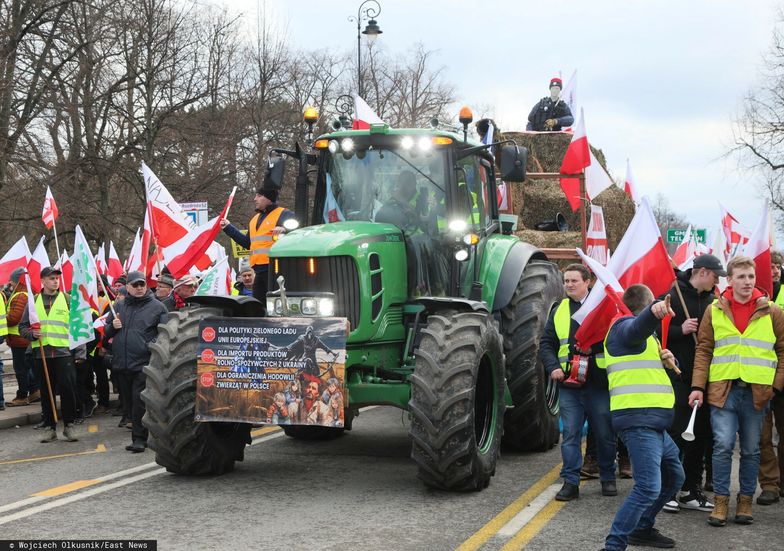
{"x":780,"y":297}
{"x":638,"y":380}
{"x":563,"y":323}
{"x":54,"y":325}
{"x":3,"y":321}
{"x":749,"y":356}
{"x":14,"y":329}
{"x":261,"y":238}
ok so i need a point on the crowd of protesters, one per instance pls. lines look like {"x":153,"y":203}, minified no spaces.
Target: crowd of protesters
{"x":112,"y":363}
{"x":725,"y":360}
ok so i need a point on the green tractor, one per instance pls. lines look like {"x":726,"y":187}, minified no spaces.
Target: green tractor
{"x":446,"y":307}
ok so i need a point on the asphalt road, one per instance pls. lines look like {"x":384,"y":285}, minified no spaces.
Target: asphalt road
{"x":357,"y":492}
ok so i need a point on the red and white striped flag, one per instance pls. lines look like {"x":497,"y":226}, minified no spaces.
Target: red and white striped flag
{"x":114,"y":267}
{"x":186,"y":252}
{"x":135,"y":261}
{"x":332,"y":212}
{"x":735,"y":235}
{"x":50,"y":212}
{"x":641,"y":257}
{"x":17,"y":257}
{"x":578,"y":156}
{"x":364,"y":116}
{"x":686,"y":251}
{"x":630,"y":184}
{"x":758,"y":248}
{"x":38,"y":262}
{"x":100,"y":259}
{"x":65,"y":266}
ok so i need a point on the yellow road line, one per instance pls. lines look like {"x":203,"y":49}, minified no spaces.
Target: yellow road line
{"x":99,"y":449}
{"x":499,"y":521}
{"x":540,"y":520}
{"x":65,"y":488}
{"x":264,"y":430}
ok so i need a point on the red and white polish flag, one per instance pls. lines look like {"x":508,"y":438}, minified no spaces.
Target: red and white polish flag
{"x":66,"y":267}
{"x":135,"y":262}
{"x":38,"y":262}
{"x":686,"y":250}
{"x":100,"y":259}
{"x":578,"y":156}
{"x":114,"y":267}
{"x":50,"y":212}
{"x":596,"y":179}
{"x":641,"y":257}
{"x":185,"y":253}
{"x":17,"y":257}
{"x":758,"y":248}
{"x":630,"y":184}
{"x":735,"y":235}
{"x":364,"y":116}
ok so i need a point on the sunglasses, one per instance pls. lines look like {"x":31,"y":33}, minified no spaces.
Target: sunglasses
{"x":138,"y":284}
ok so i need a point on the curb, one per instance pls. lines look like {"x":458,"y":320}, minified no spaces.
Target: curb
{"x":22,"y":419}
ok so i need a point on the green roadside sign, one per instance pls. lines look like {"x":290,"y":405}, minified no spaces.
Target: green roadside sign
{"x":676,"y":236}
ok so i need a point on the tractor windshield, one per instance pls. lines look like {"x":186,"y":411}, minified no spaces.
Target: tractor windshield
{"x":404,"y":187}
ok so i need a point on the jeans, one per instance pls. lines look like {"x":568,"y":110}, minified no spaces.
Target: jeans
{"x":575,"y":405}
{"x":738,"y":416}
{"x":23,"y":369}
{"x":658,"y":474}
{"x":692,"y":453}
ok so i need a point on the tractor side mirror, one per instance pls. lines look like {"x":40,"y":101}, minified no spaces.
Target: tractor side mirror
{"x":273,"y":177}
{"x":513,"y":160}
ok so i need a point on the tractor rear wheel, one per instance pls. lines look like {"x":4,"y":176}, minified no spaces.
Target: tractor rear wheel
{"x":532,"y":425}
{"x":457,"y":400}
{"x":181,"y":444}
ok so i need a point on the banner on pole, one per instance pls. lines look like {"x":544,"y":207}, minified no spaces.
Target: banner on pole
{"x":596,"y":237}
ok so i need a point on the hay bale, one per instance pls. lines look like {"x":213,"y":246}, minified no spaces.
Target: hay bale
{"x":551,"y":239}
{"x":618,"y":213}
{"x":546,"y":150}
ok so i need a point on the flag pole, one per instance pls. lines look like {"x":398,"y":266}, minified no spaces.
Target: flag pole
{"x":48,"y":382}
{"x":56,"y":243}
{"x":583,"y":228}
{"x":103,"y":286}
{"x":233,"y":190}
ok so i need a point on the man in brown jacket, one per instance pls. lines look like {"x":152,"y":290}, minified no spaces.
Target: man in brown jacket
{"x":27,"y":390}
{"x":740,"y":358}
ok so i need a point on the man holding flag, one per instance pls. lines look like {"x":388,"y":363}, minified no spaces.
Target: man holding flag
{"x":263,"y":229}
{"x":54,"y":364}
{"x":641,"y":405}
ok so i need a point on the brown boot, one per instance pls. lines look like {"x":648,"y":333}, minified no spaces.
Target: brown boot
{"x":719,"y":515}
{"x":743,"y":510}
{"x":590,"y":468}
{"x":624,"y":467}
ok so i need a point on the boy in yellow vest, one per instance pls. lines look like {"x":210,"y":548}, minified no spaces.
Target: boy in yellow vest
{"x":740,"y":359}
{"x":263,"y":229}
{"x":641,"y":406}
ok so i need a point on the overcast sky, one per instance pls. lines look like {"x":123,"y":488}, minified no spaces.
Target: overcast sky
{"x":660,"y":81}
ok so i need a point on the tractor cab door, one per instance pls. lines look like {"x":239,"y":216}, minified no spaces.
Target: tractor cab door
{"x":475,"y":202}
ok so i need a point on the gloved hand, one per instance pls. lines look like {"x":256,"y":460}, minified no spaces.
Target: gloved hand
{"x":549,"y":124}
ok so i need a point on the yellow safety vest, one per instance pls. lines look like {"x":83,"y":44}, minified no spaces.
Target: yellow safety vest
{"x":749,"y":356}
{"x":3,"y":321}
{"x":261,"y":238}
{"x":14,"y":329}
{"x":780,"y":297}
{"x":563,"y":321}
{"x":638,"y":380}
{"x":54,"y":325}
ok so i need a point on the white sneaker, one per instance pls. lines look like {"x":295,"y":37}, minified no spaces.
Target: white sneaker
{"x":672,"y":507}
{"x":695,"y":501}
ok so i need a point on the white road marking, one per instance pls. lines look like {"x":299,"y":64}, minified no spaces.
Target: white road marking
{"x":524,"y":517}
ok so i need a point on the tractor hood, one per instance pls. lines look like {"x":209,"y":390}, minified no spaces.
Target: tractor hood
{"x":338,"y":238}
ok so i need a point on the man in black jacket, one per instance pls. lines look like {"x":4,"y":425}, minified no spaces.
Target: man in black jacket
{"x":550,"y":113}
{"x":591,"y":400}
{"x":132,"y":330}
{"x":696,"y":286}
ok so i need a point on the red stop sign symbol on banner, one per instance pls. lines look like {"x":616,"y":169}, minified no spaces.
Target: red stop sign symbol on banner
{"x":208,"y":356}
{"x":207,"y":379}
{"x":208,"y":334}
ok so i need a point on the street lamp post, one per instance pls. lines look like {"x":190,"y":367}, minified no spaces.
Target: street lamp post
{"x":372,"y":30}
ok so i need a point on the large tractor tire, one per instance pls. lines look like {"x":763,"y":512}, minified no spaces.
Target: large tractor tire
{"x":532,"y":425}
{"x":457,"y":401}
{"x":181,"y":444}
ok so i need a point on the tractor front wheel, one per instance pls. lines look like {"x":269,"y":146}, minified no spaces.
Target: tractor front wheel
{"x":181,"y":444}
{"x":457,"y":400}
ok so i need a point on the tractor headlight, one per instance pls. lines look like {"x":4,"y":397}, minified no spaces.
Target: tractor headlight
{"x":425,"y":143}
{"x":279,"y":306}
{"x":326,"y":307}
{"x":309,"y":306}
{"x":407,"y":142}
{"x":458,"y":226}
{"x":347,"y":145}
{"x":333,"y":146}
{"x":461,"y":255}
